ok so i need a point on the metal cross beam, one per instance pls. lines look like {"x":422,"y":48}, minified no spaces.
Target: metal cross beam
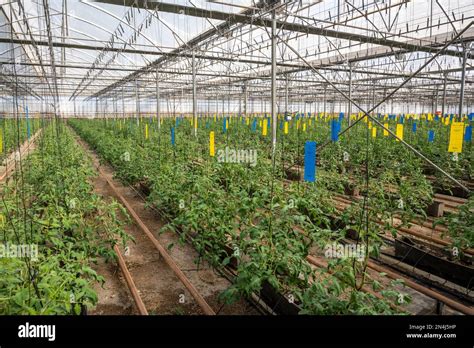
{"x":248,"y":17}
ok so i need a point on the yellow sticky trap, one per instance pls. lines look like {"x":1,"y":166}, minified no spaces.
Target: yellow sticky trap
{"x":248,"y":121}
{"x":146,"y":131}
{"x":285,"y":128}
{"x":2,"y":221}
{"x":211,"y":144}
{"x":374,"y":132}
{"x":260,"y":123}
{"x":304,"y":127}
{"x":298,"y":124}
{"x":264,"y":128}
{"x":455,"y":137}
{"x":399,"y":132}
{"x":370,"y":125}
{"x":196,"y":123}
{"x":310,"y":122}
{"x":1,"y":141}
{"x":385,"y":132}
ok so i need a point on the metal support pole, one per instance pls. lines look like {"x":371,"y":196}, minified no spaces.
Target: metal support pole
{"x":64,"y":33}
{"x":194,"y":92}
{"x":115,"y":105}
{"x":274,"y":68}
{"x":137,"y":96}
{"x":245,"y":97}
{"x":373,"y":98}
{"x":444,"y":95}
{"x":158,"y":116}
{"x":240,"y":102}
{"x":349,"y":110}
{"x":324,"y":100}
{"x":286,"y":94}
{"x":463,"y":80}
{"x":123,"y":104}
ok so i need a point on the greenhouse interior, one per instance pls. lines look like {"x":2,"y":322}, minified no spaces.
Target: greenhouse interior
{"x":237,"y":158}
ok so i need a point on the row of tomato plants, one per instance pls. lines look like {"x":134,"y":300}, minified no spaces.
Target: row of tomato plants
{"x":355,"y":157}
{"x":14,"y":132}
{"x":243,"y":212}
{"x":49,"y":208}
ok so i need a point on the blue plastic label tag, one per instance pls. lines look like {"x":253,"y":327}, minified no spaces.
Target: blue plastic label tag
{"x":310,"y":161}
{"x":431,"y":136}
{"x":468,"y":134}
{"x":335,"y":128}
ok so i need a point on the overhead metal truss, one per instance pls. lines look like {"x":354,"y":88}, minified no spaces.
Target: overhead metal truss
{"x":238,"y":58}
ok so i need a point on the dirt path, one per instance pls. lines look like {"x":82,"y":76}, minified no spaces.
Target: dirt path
{"x":161,"y":290}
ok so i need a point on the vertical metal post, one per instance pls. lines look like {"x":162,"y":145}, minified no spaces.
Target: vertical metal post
{"x":431,"y":18}
{"x":115,"y":105}
{"x":194,"y":93}
{"x":286,"y":94}
{"x":373,"y":96}
{"x":64,"y":33}
{"x":274,"y":68}
{"x":444,"y":94}
{"x":158,"y":116}
{"x":324,"y":100}
{"x":123,"y":104}
{"x":245,"y":97}
{"x":137,"y":96}
{"x":463,"y":80}
{"x":338,"y":10}
{"x":349,"y":109}
{"x":240,"y":99}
